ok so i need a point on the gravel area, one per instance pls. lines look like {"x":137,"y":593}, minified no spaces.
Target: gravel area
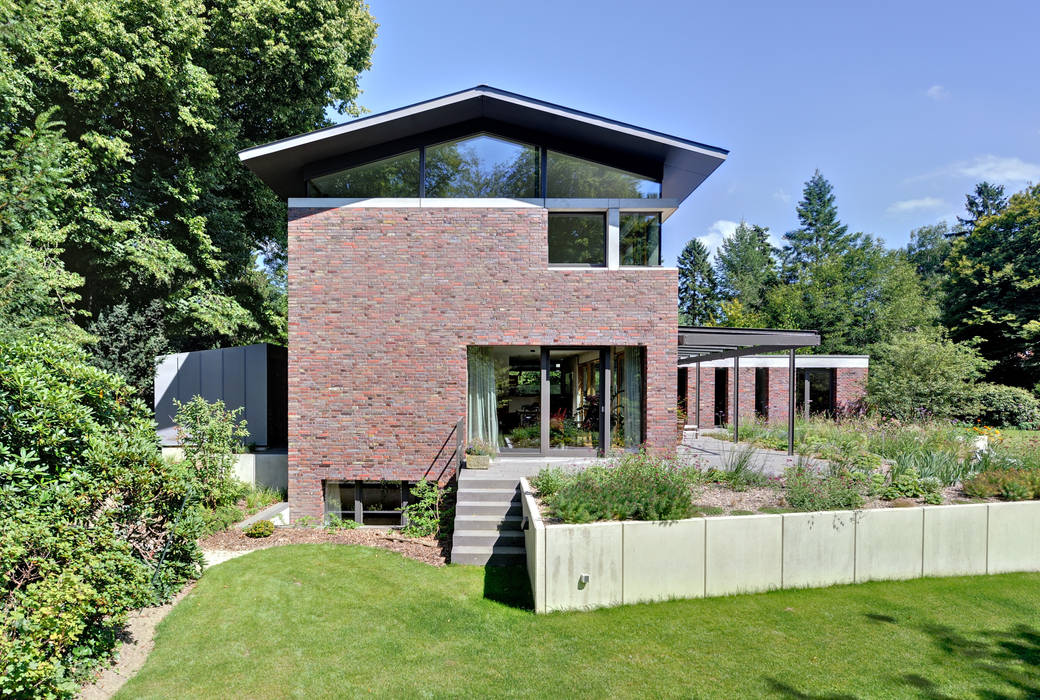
{"x":232,"y":542}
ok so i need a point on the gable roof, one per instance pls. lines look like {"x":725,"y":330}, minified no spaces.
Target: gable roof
{"x":681,"y":164}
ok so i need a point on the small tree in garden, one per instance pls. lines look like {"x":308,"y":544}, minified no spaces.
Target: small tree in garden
{"x":211,"y":435}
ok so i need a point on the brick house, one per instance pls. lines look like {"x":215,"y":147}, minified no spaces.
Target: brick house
{"x":478,"y":267}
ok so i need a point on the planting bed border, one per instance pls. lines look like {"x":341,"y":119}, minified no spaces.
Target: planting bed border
{"x":634,"y":562}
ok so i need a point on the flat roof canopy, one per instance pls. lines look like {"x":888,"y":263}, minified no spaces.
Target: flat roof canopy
{"x":703,"y":344}
{"x":680,"y":164}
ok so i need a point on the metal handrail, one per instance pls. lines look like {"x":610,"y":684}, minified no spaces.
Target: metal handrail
{"x":460,"y":443}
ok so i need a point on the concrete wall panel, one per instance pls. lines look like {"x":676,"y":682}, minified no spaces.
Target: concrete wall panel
{"x":889,"y":543}
{"x":742,"y":554}
{"x":819,"y":549}
{"x":572,"y":551}
{"x":663,"y":559}
{"x":1014,"y":537}
{"x":955,"y":540}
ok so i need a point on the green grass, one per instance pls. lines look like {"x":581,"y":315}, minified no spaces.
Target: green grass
{"x":315,"y":621}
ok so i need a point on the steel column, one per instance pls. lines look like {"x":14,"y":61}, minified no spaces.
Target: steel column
{"x":544,"y":399}
{"x":697,"y":419}
{"x":736,"y":399}
{"x":792,"y":403}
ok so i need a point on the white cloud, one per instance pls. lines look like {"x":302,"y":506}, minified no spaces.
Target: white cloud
{"x":781,"y":196}
{"x":717,"y":233}
{"x":912,"y":205}
{"x":997,"y":169}
{"x":937,"y":92}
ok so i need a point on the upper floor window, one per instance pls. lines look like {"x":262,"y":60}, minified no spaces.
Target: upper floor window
{"x":482,"y":166}
{"x":640,"y":239}
{"x":568,"y":176}
{"x":397,"y":176}
{"x":577,"y":239}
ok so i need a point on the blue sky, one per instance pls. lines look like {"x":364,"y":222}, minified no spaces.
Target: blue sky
{"x":902,"y":105}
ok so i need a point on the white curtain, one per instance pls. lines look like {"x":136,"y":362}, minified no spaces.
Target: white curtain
{"x":332,"y":501}
{"x":633,"y":404}
{"x":482,"y":401}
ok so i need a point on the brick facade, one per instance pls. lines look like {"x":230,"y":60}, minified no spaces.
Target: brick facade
{"x":383,"y":303}
{"x":850,"y":388}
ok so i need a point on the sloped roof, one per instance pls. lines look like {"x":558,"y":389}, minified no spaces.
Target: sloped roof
{"x":681,"y":164}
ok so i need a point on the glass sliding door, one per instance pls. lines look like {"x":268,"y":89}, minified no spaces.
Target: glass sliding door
{"x":518,"y":400}
{"x":574,"y":398}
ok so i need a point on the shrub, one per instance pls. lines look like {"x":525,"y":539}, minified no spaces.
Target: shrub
{"x":334,"y":522}
{"x":906,"y":482}
{"x":424,"y":512}
{"x":548,"y":482}
{"x":211,"y":436}
{"x":261,"y":528}
{"x":632,"y":487}
{"x":1007,"y":484}
{"x":1008,"y":406}
{"x":93,"y":522}
{"x":806,"y":490}
{"x":924,"y":374}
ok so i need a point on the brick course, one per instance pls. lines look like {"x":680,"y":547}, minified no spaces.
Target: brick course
{"x":383,"y":303}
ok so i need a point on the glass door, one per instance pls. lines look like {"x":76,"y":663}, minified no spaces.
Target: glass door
{"x":518,"y":398}
{"x":574,"y":399}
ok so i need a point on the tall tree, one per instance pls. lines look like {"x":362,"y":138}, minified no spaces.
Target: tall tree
{"x":156,"y":97}
{"x":987,"y":199}
{"x":698,"y":287}
{"x":928,"y":251}
{"x":993,"y":290}
{"x":821,"y":233}
{"x":746,"y":266}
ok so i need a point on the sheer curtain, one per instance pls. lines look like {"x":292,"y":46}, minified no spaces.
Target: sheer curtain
{"x":633,"y":406}
{"x":332,"y":500}
{"x":482,"y":402}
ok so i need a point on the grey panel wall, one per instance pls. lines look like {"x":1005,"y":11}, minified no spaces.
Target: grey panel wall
{"x":237,"y":376}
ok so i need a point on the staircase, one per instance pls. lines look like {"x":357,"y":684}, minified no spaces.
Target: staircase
{"x":487,"y":520}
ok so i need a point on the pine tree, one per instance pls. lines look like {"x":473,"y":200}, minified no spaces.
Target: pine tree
{"x":821,"y":234}
{"x":698,"y":287}
{"x":746,"y":266}
{"x":987,"y":200}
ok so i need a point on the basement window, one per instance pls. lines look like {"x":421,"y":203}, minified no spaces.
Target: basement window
{"x":379,"y":503}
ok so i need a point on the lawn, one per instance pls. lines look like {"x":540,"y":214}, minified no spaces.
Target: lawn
{"x":343,"y":621}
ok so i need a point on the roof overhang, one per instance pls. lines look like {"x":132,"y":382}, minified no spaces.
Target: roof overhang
{"x":704,"y":344}
{"x":682,"y":165}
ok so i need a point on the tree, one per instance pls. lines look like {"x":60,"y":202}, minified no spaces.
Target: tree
{"x":928,"y":251}
{"x":698,"y":288}
{"x":987,"y":200}
{"x":821,"y":234}
{"x":993,"y":289}
{"x":156,"y":98}
{"x":746,"y":266}
{"x":924,"y":374}
{"x":127,"y":343}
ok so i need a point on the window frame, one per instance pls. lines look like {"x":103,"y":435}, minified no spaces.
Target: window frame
{"x":660,"y":237}
{"x":606,"y":242}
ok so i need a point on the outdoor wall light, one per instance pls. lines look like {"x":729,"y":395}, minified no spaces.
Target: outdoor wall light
{"x":583,"y":581}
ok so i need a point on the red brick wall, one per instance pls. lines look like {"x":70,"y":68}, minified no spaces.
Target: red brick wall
{"x":747,"y":392}
{"x":707,"y":417}
{"x":850,"y":389}
{"x":384,"y":302}
{"x":779,"y":378}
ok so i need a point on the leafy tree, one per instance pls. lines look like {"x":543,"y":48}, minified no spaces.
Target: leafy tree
{"x":924,"y":374}
{"x":156,"y":98}
{"x":864,"y":296}
{"x":698,"y":288}
{"x":128,"y":343}
{"x":821,"y":234}
{"x":993,"y":290}
{"x":928,"y":251}
{"x":988,"y":199}
{"x":746,"y":266}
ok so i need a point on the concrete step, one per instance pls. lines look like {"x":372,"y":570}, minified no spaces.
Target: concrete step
{"x":488,"y":522}
{"x":499,"y":555}
{"x":487,"y":539}
{"x":488,"y":495}
{"x":487,"y":483}
{"x":464,"y":508}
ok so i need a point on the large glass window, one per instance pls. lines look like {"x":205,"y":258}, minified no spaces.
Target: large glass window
{"x":574,"y":177}
{"x":577,"y":239}
{"x":640,"y":238}
{"x":397,"y":176}
{"x":482,"y":166}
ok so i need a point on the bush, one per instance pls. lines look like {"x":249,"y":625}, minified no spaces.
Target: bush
{"x":807,"y":490}
{"x":1007,"y":484}
{"x":1008,"y":406}
{"x":548,"y":482}
{"x":924,"y":375}
{"x":93,"y":522}
{"x":261,"y":528}
{"x":423,"y":513}
{"x":211,"y":436}
{"x":633,"y":487}
{"x":335,"y":522}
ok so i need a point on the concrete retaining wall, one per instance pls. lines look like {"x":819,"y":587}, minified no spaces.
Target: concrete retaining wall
{"x":632,"y":562}
{"x":270,"y":469}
